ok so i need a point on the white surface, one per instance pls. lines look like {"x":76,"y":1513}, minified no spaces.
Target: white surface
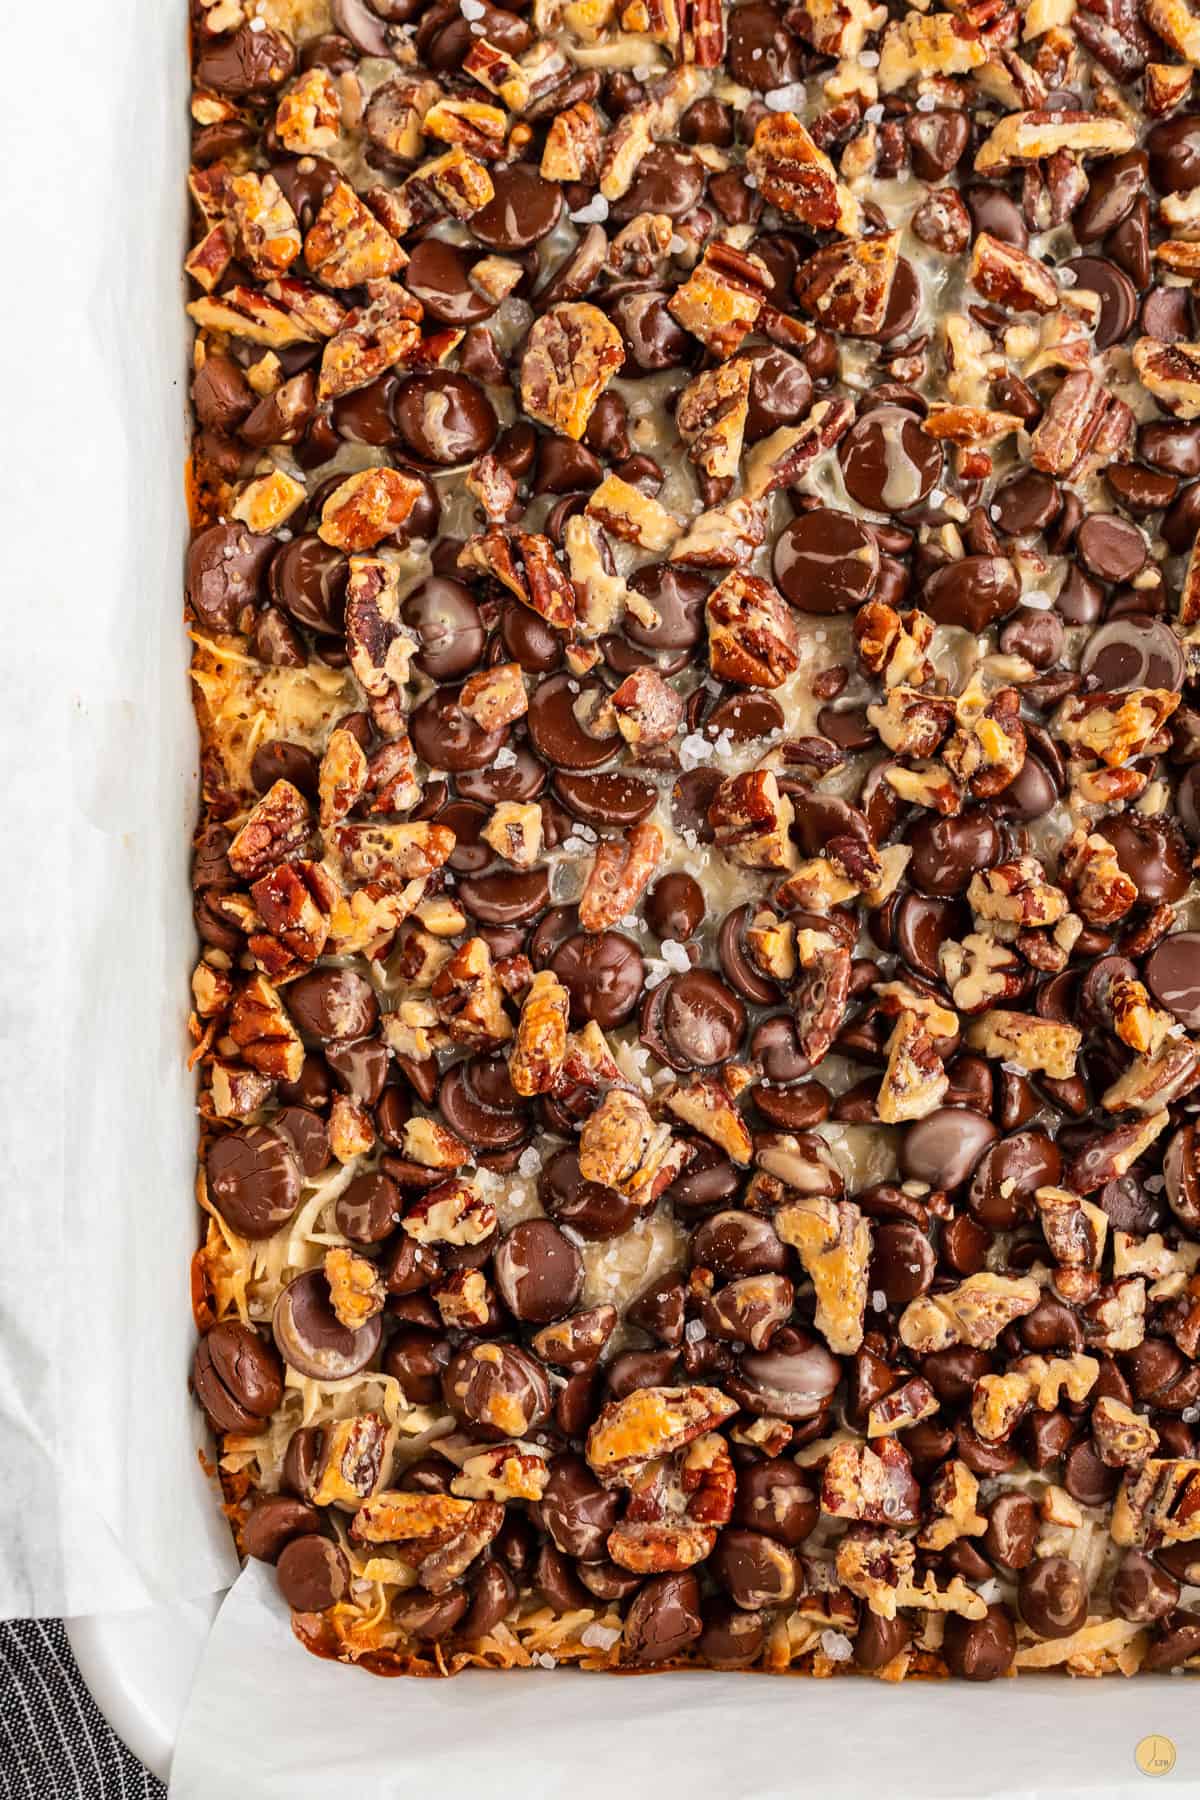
{"x":140,"y":1668}
{"x":267,"y":1721}
{"x":103,"y":1506}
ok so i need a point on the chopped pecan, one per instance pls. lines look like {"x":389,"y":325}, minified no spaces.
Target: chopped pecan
{"x":495,"y":696}
{"x":370,"y":340}
{"x":430,"y":1144}
{"x":751,"y":819}
{"x":346,"y":245}
{"x":1123,"y":1439}
{"x":1098,"y":886}
{"x":1031,"y":136}
{"x":468,"y":998}
{"x":711,"y":416}
{"x":380,"y":646}
{"x":846,"y":286}
{"x":268,"y":501}
{"x":1010,"y":277}
{"x":954,"y":1496}
{"x":999,"y":1402}
{"x":537,"y":1055}
{"x":621,"y":1147}
{"x":621,"y":871}
{"x":351,"y":1460}
{"x":367,"y":507}
{"x":356,"y":1290}
{"x":1156,"y":1081}
{"x":1074,"y":1229}
{"x":974,"y":1313}
{"x":752,"y":635}
{"x":1018,"y":893}
{"x":987,"y":749}
{"x":267,"y":234}
{"x":514,"y":832}
{"x":450,"y":1213}
{"x":648,"y":710}
{"x":629,"y":514}
{"x":502,"y":1472}
{"x":276,"y":831}
{"x":706,"y":1104}
{"x":295,"y":902}
{"x":893,"y":645}
{"x":343,"y":778}
{"x":722,"y":297}
{"x":906,"y":1405}
{"x":723,"y":537}
{"x":391,"y":855}
{"x":819,"y":998}
{"x":833,"y":1241}
{"x":981,"y":971}
{"x":464,"y":1300}
{"x":571,"y":354}
{"x":1158,"y":1503}
{"x":1031,"y":1043}
{"x":792,"y":173}
{"x":922,"y":45}
{"x":573,"y":145}
{"x":308,"y":116}
{"x":1114,"y":727}
{"x":264,"y":1035}
{"x":536,"y":580}
{"x":871,"y":1483}
{"x":652,"y":1422}
{"x":911,"y":723}
{"x":1165,"y":87}
{"x":915,"y":1080}
{"x":1111,"y":1154}
{"x":1070,"y":424}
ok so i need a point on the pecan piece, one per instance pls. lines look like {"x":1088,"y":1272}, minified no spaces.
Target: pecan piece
{"x":751,"y":819}
{"x":1031,"y":1043}
{"x":295,"y":902}
{"x":380,"y":647}
{"x":872,"y":1483}
{"x":706,"y":1104}
{"x":574,"y":144}
{"x":1123,"y":1439}
{"x":846,"y":286}
{"x":367,"y":507}
{"x":536,"y":579}
{"x":267,"y":233}
{"x":468,"y":998}
{"x":1010,"y":277}
{"x":343,"y":777}
{"x":722,"y":298}
{"x":711,"y":416}
{"x":621,"y":1147}
{"x":621,"y":871}
{"x":276,"y":831}
{"x":308,"y":116}
{"x":263,"y":1033}
{"x":833,"y":1241}
{"x":571,"y":354}
{"x":1114,"y":727}
{"x":792,"y":173}
{"x":915,"y":1080}
{"x":648,"y":710}
{"x":974,"y":1313}
{"x":356,"y":1290}
{"x":752,"y":634}
{"x":346,"y":245}
{"x":631,"y":515}
{"x":652,"y":1422}
{"x":370,"y":340}
{"x":537,"y":1056}
{"x":1100,"y":890}
{"x":1032,"y":136}
{"x":351,"y":1460}
{"x":514,"y":832}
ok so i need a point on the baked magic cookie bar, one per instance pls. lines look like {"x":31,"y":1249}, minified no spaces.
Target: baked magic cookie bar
{"x":696,"y":637}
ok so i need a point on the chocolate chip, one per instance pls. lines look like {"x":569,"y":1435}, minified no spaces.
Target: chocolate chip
{"x":444,"y":418}
{"x":652,"y":337}
{"x":237,"y":1376}
{"x":248,"y":64}
{"x":500,"y":1389}
{"x":478,"y":1101}
{"x":1173,"y":148}
{"x":555,"y":729}
{"x":333,"y":1003}
{"x":1053,"y":1597}
{"x":1110,"y":547}
{"x":273,"y":1522}
{"x":1012,"y":1530}
{"x":781,"y":390}
{"x":944,"y":1147}
{"x":879,"y":1641}
{"x":795,"y":1379}
{"x":308,"y":579}
{"x":226,"y":567}
{"x":762,"y":53}
{"x":1117,"y":296}
{"x":826,"y":561}
{"x":1152,"y":852}
{"x":1036,"y":635}
{"x":253,"y":1180}
{"x":312,"y":1339}
{"x":973,"y":592}
{"x":538,"y":1272}
{"x":1008,"y":1175}
{"x":1173,"y":976}
{"x":1027,"y":503}
{"x":1086,"y":1478}
{"x":692,"y":1021}
{"x":313,"y":1574}
{"x":666,"y":180}
{"x":980,"y":1649}
{"x":1131,"y":653}
{"x":523,"y":208}
{"x":674,"y":907}
{"x":1113,"y":187}
{"x":507,"y":897}
{"x":603,"y":973}
{"x":994,"y":211}
{"x":888,"y":463}
{"x":445,"y":737}
{"x":664,"y":1619}
{"x":755,"y":1569}
{"x":902,"y":1262}
{"x":946,"y":853}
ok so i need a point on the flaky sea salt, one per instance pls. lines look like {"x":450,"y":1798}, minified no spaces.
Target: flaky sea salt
{"x":1039,"y":601}
{"x":694,"y":750}
{"x":837,"y":1646}
{"x":599,"y":1637}
{"x":695,"y":1331}
{"x":675,"y":956}
{"x":471,"y":9}
{"x":790,"y":98}
{"x":504,"y":758}
{"x":594,"y":213}
{"x":869,"y":59}
{"x":926,"y":103}
{"x":874,"y":115}
{"x":530,"y":1161}
{"x":879,"y":1301}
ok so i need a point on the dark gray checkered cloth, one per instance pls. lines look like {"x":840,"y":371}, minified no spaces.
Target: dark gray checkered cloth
{"x":54,"y":1741}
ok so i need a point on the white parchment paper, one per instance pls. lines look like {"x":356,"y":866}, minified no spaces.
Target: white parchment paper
{"x":267,"y":1721}
{"x":102,"y":1503}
